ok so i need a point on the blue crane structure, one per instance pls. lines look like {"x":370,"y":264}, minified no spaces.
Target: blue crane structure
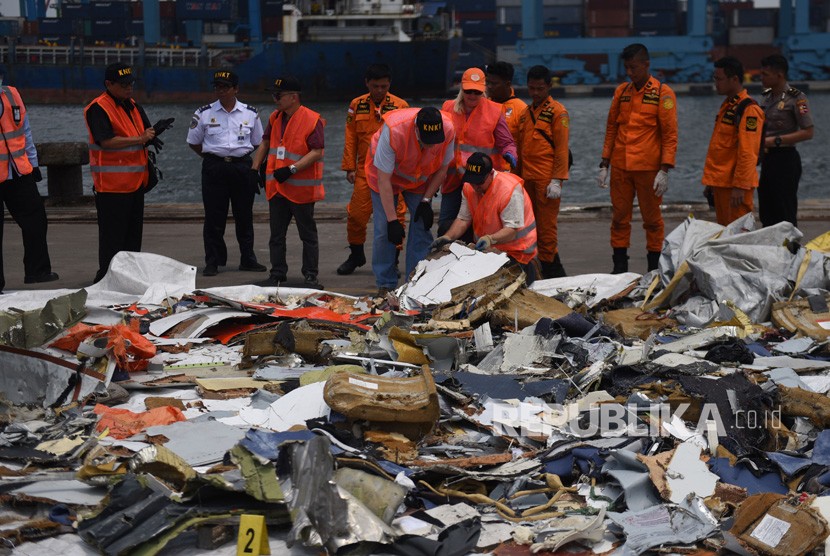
{"x":680,"y":58}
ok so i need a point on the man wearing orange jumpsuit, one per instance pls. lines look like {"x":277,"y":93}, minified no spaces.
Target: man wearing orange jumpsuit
{"x":499,"y":83}
{"x":730,"y":172}
{"x":362,"y":121}
{"x":640,"y":145}
{"x":543,"y":163}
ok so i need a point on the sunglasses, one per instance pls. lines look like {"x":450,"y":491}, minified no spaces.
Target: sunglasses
{"x":470,"y":92}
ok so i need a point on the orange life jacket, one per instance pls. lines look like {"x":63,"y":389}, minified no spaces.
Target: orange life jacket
{"x":474,"y":132}
{"x":306,"y":186}
{"x":486,"y":212}
{"x":414,"y":164}
{"x":11,"y":127}
{"x":121,"y":170}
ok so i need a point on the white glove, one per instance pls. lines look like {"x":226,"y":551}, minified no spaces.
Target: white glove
{"x":554,"y":190}
{"x":602,"y":178}
{"x":661,"y":183}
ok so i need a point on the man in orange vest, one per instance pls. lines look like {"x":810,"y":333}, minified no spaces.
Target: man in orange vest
{"x":119,"y":132}
{"x":19,"y":173}
{"x":543,"y":163}
{"x":293,"y":144}
{"x":730,"y":172}
{"x":479,"y":127}
{"x":499,"y":83}
{"x":409,"y":155}
{"x":363,"y":119}
{"x":500,"y":212}
{"x":640,"y":145}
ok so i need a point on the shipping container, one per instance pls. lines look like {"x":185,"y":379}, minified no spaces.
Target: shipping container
{"x":646,"y":32}
{"x":654,"y":5}
{"x":462,"y":16}
{"x":271,"y":26}
{"x":751,"y":35}
{"x":478,"y":27}
{"x":137,"y":9}
{"x":508,"y":34}
{"x":655,"y":20}
{"x":167,"y":10}
{"x":108,"y":29}
{"x":750,"y":55}
{"x":9,"y":27}
{"x":271,"y":8}
{"x":545,"y":3}
{"x":509,"y":54}
{"x":205,"y":9}
{"x":755,"y":18}
{"x":563,"y":15}
{"x":607,"y":18}
{"x":99,"y":10}
{"x":606,"y":32}
{"x":55,"y":27}
{"x":74,"y":11}
{"x":591,"y":5}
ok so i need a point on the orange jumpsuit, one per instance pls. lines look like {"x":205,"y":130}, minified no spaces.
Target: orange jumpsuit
{"x":539,"y":162}
{"x":512,"y":109}
{"x":640,"y":136}
{"x":362,"y":121}
{"x":733,"y":156}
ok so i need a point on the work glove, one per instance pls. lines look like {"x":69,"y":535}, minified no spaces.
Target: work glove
{"x":602,"y":178}
{"x":395,"y":233}
{"x":282,"y":174}
{"x":510,"y":160}
{"x":439,"y":242}
{"x":254,"y":180}
{"x":156,"y":143}
{"x":554,"y":190}
{"x":661,"y":183}
{"x":425,"y":213}
{"x":484,"y":243}
{"x":36,"y":174}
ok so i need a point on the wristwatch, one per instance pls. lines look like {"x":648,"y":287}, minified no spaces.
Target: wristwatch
{"x":777,"y":141}
{"x":293,"y":169}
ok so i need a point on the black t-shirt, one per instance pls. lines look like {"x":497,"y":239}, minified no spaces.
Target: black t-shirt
{"x":99,"y":123}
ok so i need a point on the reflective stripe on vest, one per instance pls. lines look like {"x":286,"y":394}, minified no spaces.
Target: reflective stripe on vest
{"x":413,"y":164}
{"x":305,"y":186}
{"x":13,"y":148}
{"x":122,"y":169}
{"x":486,"y":214}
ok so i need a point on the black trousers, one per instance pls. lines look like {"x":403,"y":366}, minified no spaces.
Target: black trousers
{"x":120,"y":225}
{"x":224,"y":183}
{"x":21,"y":197}
{"x":778,"y":186}
{"x":281,"y":210}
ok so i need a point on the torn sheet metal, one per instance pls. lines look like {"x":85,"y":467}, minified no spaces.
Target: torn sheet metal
{"x":597,"y":287}
{"x":35,"y":378}
{"x":187,"y":439}
{"x":194,"y":322}
{"x":433,"y":279}
{"x":294,"y":408}
{"x":687,"y":474}
{"x":63,"y":492}
{"x":33,"y":328}
{"x":381,"y":496}
{"x":145,"y":278}
{"x":664,"y":524}
{"x":568,"y":529}
{"x":633,"y":477}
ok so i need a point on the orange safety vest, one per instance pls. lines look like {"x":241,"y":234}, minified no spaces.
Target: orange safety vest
{"x":486,"y":212}
{"x":474,"y":132}
{"x":121,"y":170}
{"x":414,"y":164}
{"x":306,"y":186}
{"x":11,"y":126}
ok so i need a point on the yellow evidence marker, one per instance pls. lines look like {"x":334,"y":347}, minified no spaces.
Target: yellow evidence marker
{"x":253,"y":536}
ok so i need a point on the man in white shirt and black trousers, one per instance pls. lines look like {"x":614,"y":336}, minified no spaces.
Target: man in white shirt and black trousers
{"x":224,"y":134}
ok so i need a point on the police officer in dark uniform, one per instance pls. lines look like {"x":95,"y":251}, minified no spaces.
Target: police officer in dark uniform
{"x":788,"y":121}
{"x":225,"y":133}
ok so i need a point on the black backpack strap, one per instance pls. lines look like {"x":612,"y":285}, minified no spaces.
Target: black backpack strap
{"x":739,"y":111}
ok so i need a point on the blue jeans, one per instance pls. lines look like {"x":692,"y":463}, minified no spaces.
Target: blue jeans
{"x":417,"y":238}
{"x":450,"y":205}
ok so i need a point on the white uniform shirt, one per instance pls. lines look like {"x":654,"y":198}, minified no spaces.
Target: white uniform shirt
{"x":223,"y":133}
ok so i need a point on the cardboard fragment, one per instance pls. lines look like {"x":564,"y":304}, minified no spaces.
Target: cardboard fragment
{"x":633,"y":322}
{"x":528,"y":307}
{"x":777,"y":525}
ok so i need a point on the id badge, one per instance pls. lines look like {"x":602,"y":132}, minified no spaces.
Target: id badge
{"x":280,"y":153}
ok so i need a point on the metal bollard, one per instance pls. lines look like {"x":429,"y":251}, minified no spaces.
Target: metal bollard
{"x":64,"y":176}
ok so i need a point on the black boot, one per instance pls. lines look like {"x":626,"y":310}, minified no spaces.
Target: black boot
{"x":620,"y":259}
{"x":653,"y":260}
{"x":553,"y":269}
{"x":356,"y":259}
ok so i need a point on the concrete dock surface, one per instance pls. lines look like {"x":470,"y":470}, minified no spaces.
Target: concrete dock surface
{"x":176,"y":232}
